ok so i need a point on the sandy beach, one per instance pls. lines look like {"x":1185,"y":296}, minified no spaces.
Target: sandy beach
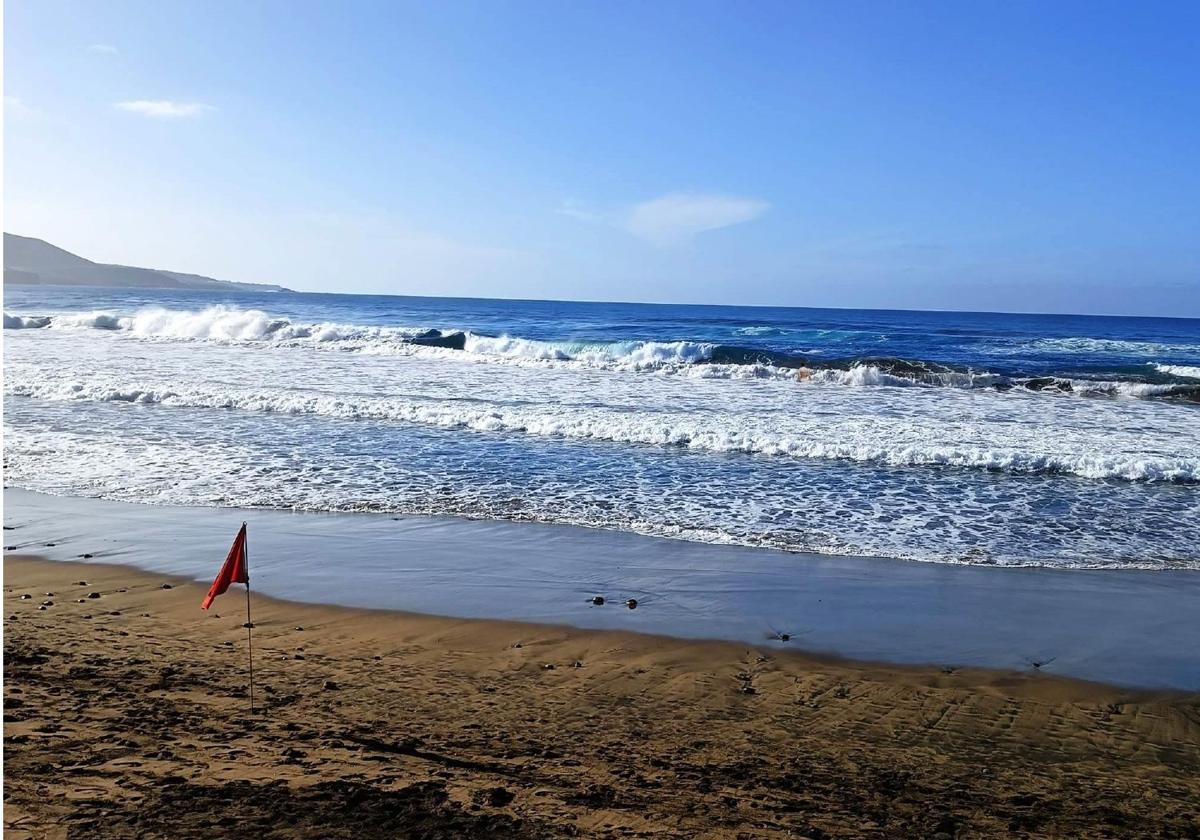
{"x":126,"y":715}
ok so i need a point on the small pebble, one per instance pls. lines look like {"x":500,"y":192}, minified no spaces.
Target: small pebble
{"x":329,"y":685}
{"x":47,"y":603}
{"x":549,"y":666}
{"x":26,"y":597}
{"x":166,"y":586}
{"x":50,"y":545}
{"x":93,"y":594}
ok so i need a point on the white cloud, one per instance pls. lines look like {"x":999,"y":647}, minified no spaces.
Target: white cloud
{"x":107,"y":49}
{"x":677,"y":217}
{"x":164,"y":108}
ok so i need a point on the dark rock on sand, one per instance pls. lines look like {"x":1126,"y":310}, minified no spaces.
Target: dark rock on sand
{"x":496,"y":797}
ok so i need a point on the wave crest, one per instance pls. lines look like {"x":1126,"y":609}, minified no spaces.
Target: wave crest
{"x":684,"y":431}
{"x":230,"y":325}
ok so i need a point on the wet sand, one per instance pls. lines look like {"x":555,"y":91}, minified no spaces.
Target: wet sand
{"x":1133,"y":627}
{"x":127,"y":715}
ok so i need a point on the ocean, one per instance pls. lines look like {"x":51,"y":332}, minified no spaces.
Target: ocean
{"x":946,"y":437}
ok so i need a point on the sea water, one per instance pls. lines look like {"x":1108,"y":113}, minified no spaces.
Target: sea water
{"x":969,"y":438}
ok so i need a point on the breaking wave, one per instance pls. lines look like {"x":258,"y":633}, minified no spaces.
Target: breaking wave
{"x":230,"y":325}
{"x":685,"y":431}
{"x":1186,"y":371}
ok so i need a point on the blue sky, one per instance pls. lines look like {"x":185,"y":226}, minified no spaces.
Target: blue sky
{"x":956,"y":155}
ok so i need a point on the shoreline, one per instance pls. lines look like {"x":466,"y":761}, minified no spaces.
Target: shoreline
{"x":1132,"y":628}
{"x":134,"y":720}
{"x":1029,"y":679}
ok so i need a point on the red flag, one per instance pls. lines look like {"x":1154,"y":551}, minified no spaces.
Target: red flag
{"x":234,"y":570}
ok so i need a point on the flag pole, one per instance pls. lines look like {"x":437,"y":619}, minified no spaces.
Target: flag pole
{"x":249,"y":623}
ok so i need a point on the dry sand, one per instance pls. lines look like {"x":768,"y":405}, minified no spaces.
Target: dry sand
{"x":126,"y":716}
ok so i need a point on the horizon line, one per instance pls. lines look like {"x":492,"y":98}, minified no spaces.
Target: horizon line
{"x":285,"y":290}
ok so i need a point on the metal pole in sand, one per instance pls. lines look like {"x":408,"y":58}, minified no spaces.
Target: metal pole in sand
{"x":249,"y":623}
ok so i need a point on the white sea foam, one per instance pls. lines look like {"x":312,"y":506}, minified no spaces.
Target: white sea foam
{"x":632,"y":355}
{"x":230,"y":325}
{"x":1186,"y":371}
{"x":220,"y":324}
{"x":878,"y":441}
{"x":615,"y":434}
{"x":1083,"y":345}
{"x":25,"y":322}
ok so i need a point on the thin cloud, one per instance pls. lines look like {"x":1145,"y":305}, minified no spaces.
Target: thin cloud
{"x":576,"y":210}
{"x":107,"y":49}
{"x":164,"y":109}
{"x":677,"y":217}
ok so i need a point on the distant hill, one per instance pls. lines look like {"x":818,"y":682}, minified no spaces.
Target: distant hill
{"x":34,"y":262}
